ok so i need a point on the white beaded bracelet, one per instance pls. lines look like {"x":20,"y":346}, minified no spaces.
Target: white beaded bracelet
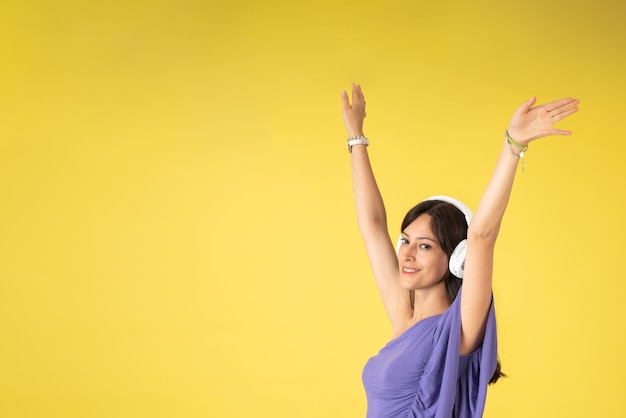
{"x":357,"y":140}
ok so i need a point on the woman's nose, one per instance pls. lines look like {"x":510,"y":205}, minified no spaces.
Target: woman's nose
{"x":408,"y":252}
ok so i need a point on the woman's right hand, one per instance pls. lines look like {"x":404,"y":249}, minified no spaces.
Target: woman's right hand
{"x":353,"y":114}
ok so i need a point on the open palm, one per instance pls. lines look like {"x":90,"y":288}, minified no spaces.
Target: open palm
{"x":529,"y":123}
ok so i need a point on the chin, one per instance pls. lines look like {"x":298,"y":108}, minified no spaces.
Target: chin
{"x":408,"y":284}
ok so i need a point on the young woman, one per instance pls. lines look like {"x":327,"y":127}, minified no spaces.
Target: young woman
{"x":436,"y":284}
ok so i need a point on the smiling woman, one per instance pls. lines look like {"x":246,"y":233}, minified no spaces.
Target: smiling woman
{"x":440,"y":231}
{"x":423,"y":260}
{"x":436,"y":287}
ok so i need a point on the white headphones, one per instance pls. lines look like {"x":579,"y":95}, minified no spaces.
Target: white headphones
{"x":457,"y":259}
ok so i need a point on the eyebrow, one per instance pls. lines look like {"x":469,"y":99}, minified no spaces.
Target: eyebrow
{"x":404,"y":234}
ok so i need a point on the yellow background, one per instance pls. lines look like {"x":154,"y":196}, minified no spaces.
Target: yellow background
{"x":177,"y":232}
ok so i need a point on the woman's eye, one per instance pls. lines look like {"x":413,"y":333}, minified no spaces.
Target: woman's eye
{"x":425,"y":246}
{"x":404,"y":241}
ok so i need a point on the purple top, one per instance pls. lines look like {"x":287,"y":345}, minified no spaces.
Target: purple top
{"x":422,"y":374}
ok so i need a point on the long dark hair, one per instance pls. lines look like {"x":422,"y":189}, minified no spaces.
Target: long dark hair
{"x":450,"y":227}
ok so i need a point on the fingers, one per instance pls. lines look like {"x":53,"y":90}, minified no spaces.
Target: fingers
{"x":560,"y":109}
{"x":560,"y":132}
{"x":560,"y":114}
{"x":525,"y":107}
{"x":530,"y":102}
{"x":561,"y":103}
{"x":361,"y":95}
{"x":357,"y":96}
{"x":345,"y":101}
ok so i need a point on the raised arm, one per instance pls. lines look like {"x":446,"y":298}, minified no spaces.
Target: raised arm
{"x":527,"y":124}
{"x":371,"y":215}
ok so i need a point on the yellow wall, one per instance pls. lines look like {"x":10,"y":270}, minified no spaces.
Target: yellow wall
{"x":177,"y":235}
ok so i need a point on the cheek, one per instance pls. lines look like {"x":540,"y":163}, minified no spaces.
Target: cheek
{"x":444,"y":263}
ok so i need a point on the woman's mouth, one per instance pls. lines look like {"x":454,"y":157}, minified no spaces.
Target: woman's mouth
{"x":409,"y":270}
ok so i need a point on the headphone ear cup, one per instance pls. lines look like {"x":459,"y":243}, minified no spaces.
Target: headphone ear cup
{"x":457,"y":259}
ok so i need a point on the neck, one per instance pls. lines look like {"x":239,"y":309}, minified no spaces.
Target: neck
{"x":429,"y":302}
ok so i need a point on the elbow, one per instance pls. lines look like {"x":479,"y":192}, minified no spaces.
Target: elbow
{"x":483,"y":232}
{"x":371,"y":225}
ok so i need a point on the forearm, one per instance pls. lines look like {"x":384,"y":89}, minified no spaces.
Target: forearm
{"x":370,"y":208}
{"x":488,"y":217}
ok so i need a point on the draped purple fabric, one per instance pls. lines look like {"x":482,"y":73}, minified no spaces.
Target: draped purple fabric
{"x":421,"y":374}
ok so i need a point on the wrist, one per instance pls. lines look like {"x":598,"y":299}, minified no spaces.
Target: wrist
{"x":356,"y":133}
{"x":515,"y":147}
{"x":357,"y":140}
{"x":517,"y":138}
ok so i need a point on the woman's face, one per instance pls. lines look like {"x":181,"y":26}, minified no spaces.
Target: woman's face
{"x":423,"y":263}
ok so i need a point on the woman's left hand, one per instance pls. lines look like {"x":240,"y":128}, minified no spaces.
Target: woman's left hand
{"x":529,"y":123}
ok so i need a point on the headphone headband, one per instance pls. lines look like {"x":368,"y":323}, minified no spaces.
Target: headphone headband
{"x":457,"y":203}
